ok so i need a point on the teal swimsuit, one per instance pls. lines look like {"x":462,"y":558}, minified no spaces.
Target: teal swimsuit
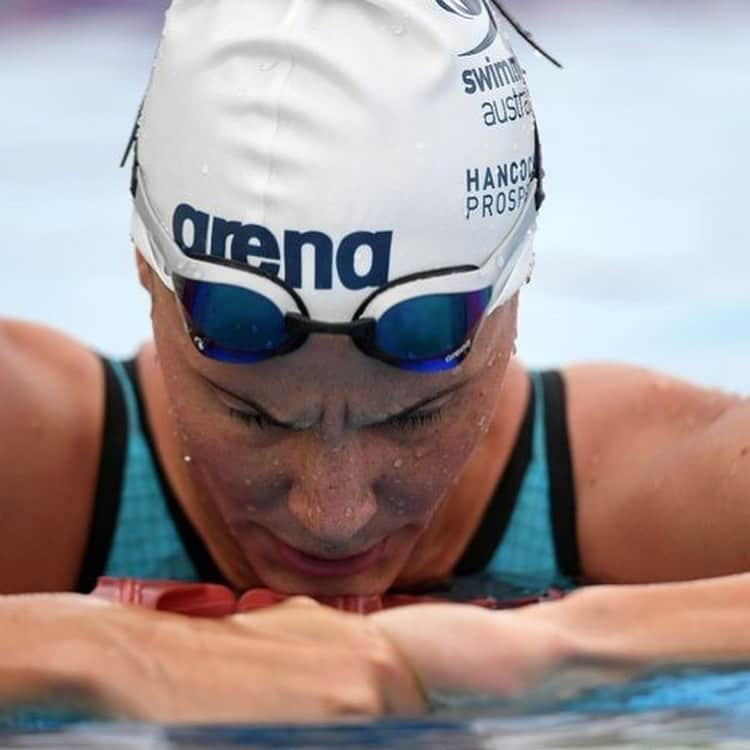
{"x":139,"y":530}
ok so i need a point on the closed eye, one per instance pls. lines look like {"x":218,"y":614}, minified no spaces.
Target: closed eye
{"x":415,"y":420}
{"x":252,"y":419}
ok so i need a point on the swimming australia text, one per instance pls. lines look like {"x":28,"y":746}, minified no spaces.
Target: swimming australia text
{"x":502,"y":82}
{"x":196,"y":232}
{"x":494,"y":75}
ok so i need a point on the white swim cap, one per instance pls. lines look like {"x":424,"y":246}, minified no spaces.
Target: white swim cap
{"x":338,"y":144}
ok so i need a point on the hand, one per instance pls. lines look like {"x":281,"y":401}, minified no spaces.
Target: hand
{"x":294,"y":662}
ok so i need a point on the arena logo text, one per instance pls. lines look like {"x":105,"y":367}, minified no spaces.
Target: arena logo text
{"x":198,"y":233}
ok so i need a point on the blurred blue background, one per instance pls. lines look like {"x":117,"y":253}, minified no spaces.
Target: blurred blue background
{"x":644,"y":248}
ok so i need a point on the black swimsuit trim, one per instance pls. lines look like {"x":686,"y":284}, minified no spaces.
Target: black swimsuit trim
{"x":108,"y":484}
{"x":196,"y":550}
{"x":494,"y":524}
{"x":562,"y":484}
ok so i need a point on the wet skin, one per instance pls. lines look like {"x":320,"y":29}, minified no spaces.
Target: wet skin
{"x":323,"y":452}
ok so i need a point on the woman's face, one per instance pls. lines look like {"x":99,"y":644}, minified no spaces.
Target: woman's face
{"x":326,"y":466}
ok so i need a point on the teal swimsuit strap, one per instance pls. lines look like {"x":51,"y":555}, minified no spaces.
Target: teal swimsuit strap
{"x":534,"y":496}
{"x":138,"y":527}
{"x":176,"y":550}
{"x":562,"y":483}
{"x":109,"y":482}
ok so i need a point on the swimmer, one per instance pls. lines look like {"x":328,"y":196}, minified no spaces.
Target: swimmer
{"x":331,"y":405}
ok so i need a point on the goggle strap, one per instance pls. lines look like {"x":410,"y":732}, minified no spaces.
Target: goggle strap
{"x":518,"y":277}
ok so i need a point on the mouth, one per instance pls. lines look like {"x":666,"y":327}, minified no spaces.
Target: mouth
{"x":324,"y":567}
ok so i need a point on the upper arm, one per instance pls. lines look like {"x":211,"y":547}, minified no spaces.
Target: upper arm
{"x":51,"y":400}
{"x":660,"y":466}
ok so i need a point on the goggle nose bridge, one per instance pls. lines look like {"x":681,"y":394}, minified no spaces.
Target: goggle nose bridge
{"x":361,"y":330}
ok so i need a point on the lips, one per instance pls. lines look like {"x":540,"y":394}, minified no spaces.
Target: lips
{"x":321,"y":567}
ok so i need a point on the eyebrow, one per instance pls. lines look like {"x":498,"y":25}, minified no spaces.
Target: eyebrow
{"x":265,"y":414}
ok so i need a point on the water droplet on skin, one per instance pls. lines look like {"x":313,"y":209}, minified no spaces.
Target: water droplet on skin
{"x":318,"y":509}
{"x":398,"y":463}
{"x":348,"y":512}
{"x":482,"y":422}
{"x":188,"y":459}
{"x":248,"y":482}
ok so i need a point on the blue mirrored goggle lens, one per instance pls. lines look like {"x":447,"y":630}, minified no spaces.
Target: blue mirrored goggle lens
{"x":427,"y":333}
{"x":234,"y":324}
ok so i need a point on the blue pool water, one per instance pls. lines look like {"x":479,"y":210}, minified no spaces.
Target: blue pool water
{"x":692,"y":708}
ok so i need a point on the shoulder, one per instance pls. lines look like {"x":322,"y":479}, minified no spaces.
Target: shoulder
{"x":630,"y":433}
{"x":614,"y":406}
{"x":608,"y":402}
{"x":51,"y":389}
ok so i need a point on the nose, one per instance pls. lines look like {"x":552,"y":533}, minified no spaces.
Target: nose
{"x":331,"y":495}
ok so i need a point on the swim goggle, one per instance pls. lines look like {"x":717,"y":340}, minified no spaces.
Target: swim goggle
{"x":425,"y":322}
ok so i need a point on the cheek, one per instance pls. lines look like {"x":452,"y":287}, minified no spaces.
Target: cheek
{"x":224,"y":462}
{"x":420,"y":477}
{"x":242,"y":480}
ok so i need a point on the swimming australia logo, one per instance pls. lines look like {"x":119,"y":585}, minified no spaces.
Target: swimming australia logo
{"x":472,"y":9}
